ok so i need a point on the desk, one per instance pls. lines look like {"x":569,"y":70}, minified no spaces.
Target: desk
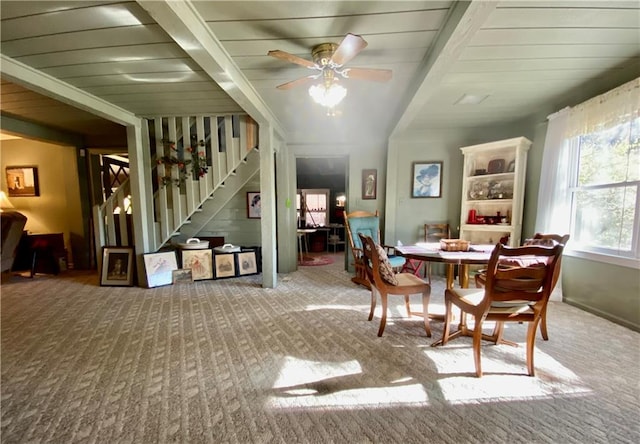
{"x":41,"y":253}
{"x":303,"y":241}
{"x":431,"y":252}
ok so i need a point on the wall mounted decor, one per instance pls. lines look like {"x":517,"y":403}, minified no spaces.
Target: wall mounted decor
{"x":254,"y":206}
{"x":369,"y":184}
{"x":22,"y":181}
{"x":426,"y":179}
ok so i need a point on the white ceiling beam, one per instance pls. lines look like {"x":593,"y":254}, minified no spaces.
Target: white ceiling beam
{"x":188,"y":29}
{"x":36,"y":80}
{"x":465,"y":20}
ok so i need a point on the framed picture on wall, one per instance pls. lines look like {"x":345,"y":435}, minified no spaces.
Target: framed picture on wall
{"x":22,"y":181}
{"x":117,"y":267}
{"x":369,"y":184}
{"x":254,"y":205}
{"x":426,"y":179}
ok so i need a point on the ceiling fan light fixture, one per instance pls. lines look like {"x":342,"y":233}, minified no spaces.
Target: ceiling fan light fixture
{"x":327,"y":95}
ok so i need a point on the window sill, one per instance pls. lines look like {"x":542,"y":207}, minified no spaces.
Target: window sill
{"x":605,"y":258}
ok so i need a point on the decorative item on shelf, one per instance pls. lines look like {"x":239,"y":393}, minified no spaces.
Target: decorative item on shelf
{"x":496,"y":166}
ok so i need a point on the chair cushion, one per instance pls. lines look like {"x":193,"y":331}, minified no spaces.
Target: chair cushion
{"x":541,"y":242}
{"x":368,"y":226}
{"x":386,"y":270}
{"x":396,"y":261}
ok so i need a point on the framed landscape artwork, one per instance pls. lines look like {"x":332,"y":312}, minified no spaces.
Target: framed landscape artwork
{"x":22,"y":181}
{"x":117,"y":267}
{"x":182,"y":276}
{"x":426,"y":179}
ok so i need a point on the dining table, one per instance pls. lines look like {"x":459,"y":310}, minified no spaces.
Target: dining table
{"x":432,"y":252}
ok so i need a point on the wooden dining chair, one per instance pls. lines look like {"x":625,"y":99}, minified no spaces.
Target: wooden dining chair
{"x":385,"y":282}
{"x":512,"y":294}
{"x":364,"y":222}
{"x":538,"y":239}
{"x":435,"y":233}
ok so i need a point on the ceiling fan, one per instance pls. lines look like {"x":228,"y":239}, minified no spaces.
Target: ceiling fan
{"x":328,"y":62}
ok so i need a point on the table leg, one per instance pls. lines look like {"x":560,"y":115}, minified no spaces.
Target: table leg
{"x":450,"y":275}
{"x":463,"y":269}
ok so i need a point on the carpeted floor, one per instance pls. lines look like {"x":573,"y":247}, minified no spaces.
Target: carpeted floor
{"x":230,"y":362}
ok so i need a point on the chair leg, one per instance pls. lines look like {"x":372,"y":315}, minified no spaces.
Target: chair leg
{"x":447,"y":322}
{"x":543,"y":325}
{"x":428,"y":269}
{"x":373,"y":303}
{"x":425,"y":312}
{"x":407,"y":305}
{"x":477,"y":344}
{"x":383,"y":319}
{"x":531,"y":342}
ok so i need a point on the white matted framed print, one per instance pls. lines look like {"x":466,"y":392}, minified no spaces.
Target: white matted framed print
{"x":200,"y":263}
{"x":247,"y":263}
{"x":117,"y":267}
{"x":159,"y":268}
{"x":225,"y":265}
{"x":426,"y":179}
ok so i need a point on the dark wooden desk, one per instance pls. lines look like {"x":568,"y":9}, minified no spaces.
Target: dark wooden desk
{"x":41,"y":253}
{"x":431,"y":252}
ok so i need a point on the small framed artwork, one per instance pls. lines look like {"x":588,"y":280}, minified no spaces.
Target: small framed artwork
{"x":426,"y":179}
{"x":254,"y":207}
{"x":159,"y":268}
{"x":225,"y":265}
{"x":369,"y":184}
{"x":117,"y":267}
{"x":22,"y":181}
{"x":200,"y":263}
{"x":182,"y":276}
{"x":247,"y":263}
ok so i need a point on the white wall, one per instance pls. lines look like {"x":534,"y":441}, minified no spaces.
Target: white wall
{"x":57,"y":209}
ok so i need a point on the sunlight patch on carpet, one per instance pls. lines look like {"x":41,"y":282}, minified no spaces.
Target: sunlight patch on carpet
{"x":504,"y":377}
{"x":308,"y":384}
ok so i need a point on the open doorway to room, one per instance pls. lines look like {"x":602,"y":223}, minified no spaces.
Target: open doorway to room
{"x":322,"y":187}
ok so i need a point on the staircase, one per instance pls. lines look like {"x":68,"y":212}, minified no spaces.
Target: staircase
{"x":198,"y":164}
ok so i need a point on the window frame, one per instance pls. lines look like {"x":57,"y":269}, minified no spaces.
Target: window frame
{"x":599,"y":254}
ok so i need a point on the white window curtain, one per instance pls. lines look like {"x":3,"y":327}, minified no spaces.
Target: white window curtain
{"x":607,"y":110}
{"x":615,"y":107}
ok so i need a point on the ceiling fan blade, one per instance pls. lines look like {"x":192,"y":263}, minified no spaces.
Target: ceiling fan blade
{"x":291,"y":58}
{"x":374,"y":75}
{"x":350,"y":46}
{"x":298,"y":82}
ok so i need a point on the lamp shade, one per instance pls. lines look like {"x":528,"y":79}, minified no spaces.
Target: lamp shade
{"x":4,"y":202}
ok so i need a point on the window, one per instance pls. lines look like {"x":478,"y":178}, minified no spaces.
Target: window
{"x":604,"y":196}
{"x":590,"y":177}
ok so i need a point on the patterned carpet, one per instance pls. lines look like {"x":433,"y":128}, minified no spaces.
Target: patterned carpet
{"x":229,"y":362}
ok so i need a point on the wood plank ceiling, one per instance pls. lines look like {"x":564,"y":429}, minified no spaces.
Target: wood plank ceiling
{"x":528,"y":58}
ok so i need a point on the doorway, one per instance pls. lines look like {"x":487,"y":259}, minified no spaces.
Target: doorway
{"x":328,"y":174}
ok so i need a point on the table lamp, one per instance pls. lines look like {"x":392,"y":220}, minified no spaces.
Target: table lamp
{"x":4,"y":202}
